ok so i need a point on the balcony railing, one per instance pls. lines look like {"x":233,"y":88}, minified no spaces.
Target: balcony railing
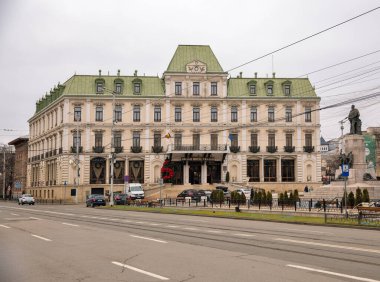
{"x":308,"y":149}
{"x":271,"y":149}
{"x":74,"y":149}
{"x":98,"y":149}
{"x":234,"y":149}
{"x":118,"y":149}
{"x":136,"y":149}
{"x":60,"y":150}
{"x":157,"y":149}
{"x":198,"y":148}
{"x":254,"y":149}
{"x":289,"y":149}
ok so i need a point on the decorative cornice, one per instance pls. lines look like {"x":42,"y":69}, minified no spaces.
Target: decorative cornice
{"x":271,"y":130}
{"x":254,"y":130}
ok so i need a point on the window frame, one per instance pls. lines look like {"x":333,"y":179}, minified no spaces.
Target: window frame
{"x":196,"y":88}
{"x":288,"y":114}
{"x":157,"y":139}
{"x":99,"y":113}
{"x":253,"y":114}
{"x":136,"y":113}
{"x":157,"y":114}
{"x":214,"y":88}
{"x":234,"y":114}
{"x":137,"y":88}
{"x":118,"y":113}
{"x":271,"y":114}
{"x":307,"y":114}
{"x":178,"y":88}
{"x":214,"y":114}
{"x":177,"y":114}
{"x":77,"y":113}
{"x":136,"y":139}
{"x":196,"y":114}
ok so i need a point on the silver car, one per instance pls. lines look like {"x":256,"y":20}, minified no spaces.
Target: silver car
{"x":26,"y":199}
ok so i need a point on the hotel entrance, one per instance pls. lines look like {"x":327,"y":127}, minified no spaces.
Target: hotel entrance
{"x":213,"y":172}
{"x":195,"y":172}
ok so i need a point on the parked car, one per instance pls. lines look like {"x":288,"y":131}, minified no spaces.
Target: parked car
{"x":26,"y":199}
{"x":192,"y":193}
{"x":223,"y":188}
{"x":120,"y":199}
{"x":245,"y":191}
{"x":95,"y":200}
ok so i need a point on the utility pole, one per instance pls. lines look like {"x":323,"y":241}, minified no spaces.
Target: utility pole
{"x":112,"y":146}
{"x":4,"y":172}
{"x":77,"y":161}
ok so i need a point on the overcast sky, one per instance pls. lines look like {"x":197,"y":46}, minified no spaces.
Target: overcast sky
{"x":43,"y":42}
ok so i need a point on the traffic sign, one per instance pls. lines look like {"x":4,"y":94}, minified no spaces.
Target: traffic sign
{"x":345,"y":170}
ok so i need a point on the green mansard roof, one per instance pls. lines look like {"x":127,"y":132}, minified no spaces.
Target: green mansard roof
{"x":188,"y":53}
{"x":299,"y":87}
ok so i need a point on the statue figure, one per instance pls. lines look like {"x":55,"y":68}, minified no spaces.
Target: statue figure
{"x":356,"y":123}
{"x":346,"y":159}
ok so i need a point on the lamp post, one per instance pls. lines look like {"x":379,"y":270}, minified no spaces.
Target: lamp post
{"x":4,"y":172}
{"x":112,"y":156}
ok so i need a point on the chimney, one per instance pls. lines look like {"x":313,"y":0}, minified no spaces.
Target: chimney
{"x":118,"y":72}
{"x":273,"y":74}
{"x":100,"y":72}
{"x":135,"y":73}
{"x":255,"y":74}
{"x":241,"y":74}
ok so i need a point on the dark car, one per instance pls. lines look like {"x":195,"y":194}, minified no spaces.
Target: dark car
{"x":95,"y":200}
{"x":223,"y":188}
{"x":120,"y":199}
{"x":192,"y":193}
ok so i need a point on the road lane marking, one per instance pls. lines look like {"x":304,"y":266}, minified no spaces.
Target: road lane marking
{"x":140,"y":270}
{"x":70,"y":224}
{"x":42,"y":238}
{"x":14,"y":214}
{"x":304,"y":230}
{"x":244,"y":235}
{"x":191,"y":228}
{"x":214,"y":231}
{"x":356,"y":278}
{"x":196,"y":220}
{"x":155,"y":224}
{"x":172,"y":226}
{"x":150,"y":239}
{"x":31,"y":217}
{"x":140,"y":222}
{"x":329,"y":245}
{"x":4,"y":226}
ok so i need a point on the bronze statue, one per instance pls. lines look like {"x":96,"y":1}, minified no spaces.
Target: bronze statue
{"x":356,"y":123}
{"x":346,"y":159}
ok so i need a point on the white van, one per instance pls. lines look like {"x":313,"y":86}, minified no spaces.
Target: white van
{"x":134,"y":191}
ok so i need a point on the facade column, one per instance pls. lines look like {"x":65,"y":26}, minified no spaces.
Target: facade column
{"x":186,"y":168}
{"x":279,"y":175}
{"x":262,"y":170}
{"x":204,"y":173}
{"x":126,"y":166}
{"x":107,"y":171}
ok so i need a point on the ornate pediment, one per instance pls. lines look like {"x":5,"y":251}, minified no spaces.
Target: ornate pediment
{"x":196,"y":67}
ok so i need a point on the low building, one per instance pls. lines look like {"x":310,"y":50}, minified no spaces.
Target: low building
{"x":20,"y":165}
{"x":194,"y":121}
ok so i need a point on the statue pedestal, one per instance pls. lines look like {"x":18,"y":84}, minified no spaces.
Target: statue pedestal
{"x":355,"y":143}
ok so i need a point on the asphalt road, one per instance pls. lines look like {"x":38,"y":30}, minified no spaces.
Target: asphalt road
{"x":75,"y":243}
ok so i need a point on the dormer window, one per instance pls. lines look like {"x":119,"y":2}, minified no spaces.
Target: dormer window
{"x":100,"y":84}
{"x":118,"y":86}
{"x":137,"y":84}
{"x":252,"y":88}
{"x":286,"y":88}
{"x":269,"y":87}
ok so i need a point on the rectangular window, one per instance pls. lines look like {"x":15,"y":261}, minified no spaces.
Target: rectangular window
{"x":98,"y":140}
{"x":99,"y":87}
{"x":137,"y":88}
{"x":136,"y":113}
{"x":269,"y":170}
{"x":214,"y":114}
{"x":118,"y":88}
{"x":252,"y":89}
{"x":117,"y":139}
{"x":270,"y":89}
{"x":287,"y":90}
{"x":196,"y":114}
{"x":99,"y":113}
{"x":288,"y":114}
{"x":196,"y":88}
{"x":308,"y":140}
{"x":178,"y":114}
{"x":76,"y":139}
{"x":289,"y":140}
{"x":118,"y":113}
{"x":157,"y":113}
{"x":234,"y":114}
{"x":178,"y":88}
{"x":177,"y":141}
{"x":253,"y":170}
{"x":253,"y":114}
{"x":136,"y":139}
{"x":157,"y":140}
{"x":287,"y":171}
{"x":77,"y":113}
{"x":271,"y":114}
{"x":271,"y":140}
{"x":234,"y":140}
{"x":254,"y":142}
{"x":196,"y":141}
{"x":307,"y":114}
{"x":214,"y":88}
{"x":214,"y":141}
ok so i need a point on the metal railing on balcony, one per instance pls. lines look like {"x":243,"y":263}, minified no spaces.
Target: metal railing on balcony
{"x":308,"y":149}
{"x":271,"y":149}
{"x":74,"y":149}
{"x":98,"y":149}
{"x":118,"y":150}
{"x":136,"y":149}
{"x":234,"y":149}
{"x":198,"y":148}
{"x":289,"y":149}
{"x":254,"y":149}
{"x":157,"y":149}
